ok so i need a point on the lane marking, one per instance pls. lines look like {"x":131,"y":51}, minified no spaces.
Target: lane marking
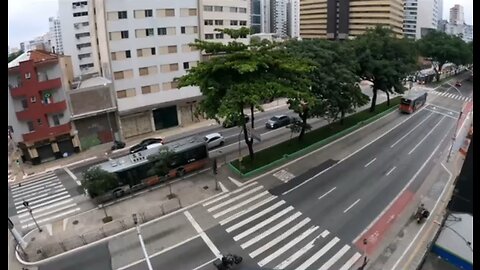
{"x":204,"y":264}
{"x":245,"y":211}
{"x":425,"y":223}
{"x":236,"y":206}
{"x":203,"y":235}
{"x":408,"y":133}
{"x":222,"y":187}
{"x":46,"y":187}
{"x":335,"y":258}
{"x":73,"y":176}
{"x":299,"y":253}
{"x":262,"y":224}
{"x":441,"y":113}
{"x":353,"y":204}
{"x":53,"y":217}
{"x":391,"y":170}
{"x":281,"y":237}
{"x":35,"y":183}
{"x":400,"y":193}
{"x":319,"y":254}
{"x":22,"y":208}
{"x":287,"y":246}
{"x":49,"y":212}
{"x":426,"y":136}
{"x":50,"y":196}
{"x":347,"y":157}
{"x":220,"y":205}
{"x":43,"y":208}
{"x":443,"y":108}
{"x":348,"y":265}
{"x":34,"y":187}
{"x":270,"y":231}
{"x":236,"y":182}
{"x":53,"y":191}
{"x":366,"y":165}
{"x":160,"y":252}
{"x":81,"y":161}
{"x":327,"y":193}
{"x":227,"y":195}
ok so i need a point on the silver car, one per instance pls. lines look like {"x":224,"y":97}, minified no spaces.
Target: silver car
{"x":214,"y":140}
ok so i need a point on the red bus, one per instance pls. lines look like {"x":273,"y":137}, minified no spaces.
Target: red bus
{"x":412,"y":102}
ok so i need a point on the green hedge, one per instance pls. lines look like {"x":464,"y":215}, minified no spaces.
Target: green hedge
{"x":276,"y":155}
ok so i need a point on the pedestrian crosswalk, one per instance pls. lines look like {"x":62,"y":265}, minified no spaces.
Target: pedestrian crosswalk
{"x":276,"y":235}
{"x":46,"y":196}
{"x":452,"y":96}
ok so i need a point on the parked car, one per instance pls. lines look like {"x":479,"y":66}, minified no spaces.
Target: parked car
{"x":277,"y":121}
{"x":232,"y":120}
{"x":146,"y":144}
{"x":214,"y":140}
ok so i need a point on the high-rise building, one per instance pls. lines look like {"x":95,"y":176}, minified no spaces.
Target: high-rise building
{"x":256,"y":16}
{"x":420,"y":15}
{"x":55,"y":35}
{"x":265,"y":17}
{"x":293,"y":18}
{"x":37,"y":106}
{"x":77,"y":36}
{"x":457,"y":15}
{"x":278,"y":17}
{"x":341,"y":19}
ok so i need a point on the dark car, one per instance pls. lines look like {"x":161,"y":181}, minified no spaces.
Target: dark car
{"x":458,"y":84}
{"x":232,"y":120}
{"x":144,"y":144}
{"x":277,"y":121}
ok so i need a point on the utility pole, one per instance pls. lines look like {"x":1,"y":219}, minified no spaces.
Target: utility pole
{"x":147,"y":259}
{"x":454,"y":136}
{"x":215,"y":172}
{"x":27,"y":205}
{"x":16,"y":235}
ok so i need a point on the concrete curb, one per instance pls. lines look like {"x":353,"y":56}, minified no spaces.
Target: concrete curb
{"x":311,"y":147}
{"x":108,"y":237}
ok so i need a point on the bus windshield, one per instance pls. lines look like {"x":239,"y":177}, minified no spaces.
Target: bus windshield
{"x":406,"y":101}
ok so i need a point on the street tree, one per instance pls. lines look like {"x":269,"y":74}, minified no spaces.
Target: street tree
{"x":443,"y":48}
{"x":384,"y":60}
{"x":161,"y":162}
{"x":238,"y":76}
{"x":98,"y":181}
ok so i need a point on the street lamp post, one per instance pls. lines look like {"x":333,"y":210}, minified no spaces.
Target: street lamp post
{"x":16,"y":235}
{"x":454,"y":136}
{"x":147,"y":259}
{"x":27,"y":205}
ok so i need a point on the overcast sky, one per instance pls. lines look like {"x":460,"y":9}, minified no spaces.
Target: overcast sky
{"x":28,"y":19}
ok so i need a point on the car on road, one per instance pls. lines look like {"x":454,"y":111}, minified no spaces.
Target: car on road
{"x":232,"y":120}
{"x":277,"y":121}
{"x":146,"y":144}
{"x":214,"y":140}
{"x":458,"y":84}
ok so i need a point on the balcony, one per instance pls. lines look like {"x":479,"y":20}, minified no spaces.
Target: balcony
{"x":47,"y":132}
{"x":27,"y":89}
{"x":32,"y":112}
{"x":55,"y":107}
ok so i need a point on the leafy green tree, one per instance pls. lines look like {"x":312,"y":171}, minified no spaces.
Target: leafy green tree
{"x":239,"y":76}
{"x":161,"y":162}
{"x":98,"y":182}
{"x":443,"y":48}
{"x":384,"y":60}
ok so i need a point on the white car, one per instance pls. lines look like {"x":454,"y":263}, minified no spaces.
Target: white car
{"x":214,"y":140}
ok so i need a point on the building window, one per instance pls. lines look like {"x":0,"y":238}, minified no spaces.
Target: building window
{"x":218,"y":8}
{"x":126,"y":93}
{"x":182,"y":29}
{"x":219,"y":36}
{"x":33,"y":99}
{"x":31,"y":128}
{"x":152,"y":50}
{"x":143,"y":71}
{"x":208,"y":22}
{"x":122,"y":15}
{"x":207,"y":8}
{"x":127,"y":54}
{"x":234,"y":9}
{"x":243,"y":23}
{"x":208,"y":36}
{"x":149,"y":32}
{"x":174,"y":67}
{"x":148,"y":13}
{"x":218,"y":22}
{"x":192,"y":12}
{"x":86,"y":66}
{"x":244,"y":10}
{"x":24,"y":103}
{"x":80,"y":14}
{"x":235,"y":22}
{"x":118,"y":75}
{"x":146,"y":89}
{"x":169,"y":12}
{"x":162,"y":31}
{"x":27,"y":75}
{"x":39,"y":122}
{"x":56,"y":120}
{"x":172,"y":49}
{"x":186,"y":65}
{"x":124,"y":34}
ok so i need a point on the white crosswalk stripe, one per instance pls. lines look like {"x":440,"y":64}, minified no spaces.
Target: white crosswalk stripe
{"x":47,"y":198}
{"x":276,"y":235}
{"x":452,"y":96}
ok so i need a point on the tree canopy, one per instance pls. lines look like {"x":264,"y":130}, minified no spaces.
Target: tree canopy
{"x":161,"y":162}
{"x":97,"y":181}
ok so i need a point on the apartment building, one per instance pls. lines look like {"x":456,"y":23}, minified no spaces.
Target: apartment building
{"x":37,"y":106}
{"x":215,"y":14}
{"x":457,"y":15}
{"x":343,"y":19}
{"x":278,"y":17}
{"x":55,"y":35}
{"x":78,"y":36}
{"x":420,"y":17}
{"x":293,"y":18}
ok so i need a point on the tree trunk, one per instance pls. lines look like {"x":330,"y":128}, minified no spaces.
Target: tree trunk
{"x":374,"y":100}
{"x":252,"y":116}
{"x":248,"y":141}
{"x":342,"y":116}
{"x":438,"y":70}
{"x":388,"y":98}
{"x":304,"y":126}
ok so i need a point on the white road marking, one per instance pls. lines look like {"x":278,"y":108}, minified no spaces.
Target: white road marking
{"x":249,"y":209}
{"x":81,"y":161}
{"x":270,"y":231}
{"x":430,"y":132}
{"x":319,"y":254}
{"x":29,"y":189}
{"x":204,"y":264}
{"x":220,"y":205}
{"x":222,"y":187}
{"x":335,"y":258}
{"x":227,"y":195}
{"x":300,"y":252}
{"x":203,"y":235}
{"x":236,"y":182}
{"x":236,"y":206}
{"x":391,"y":170}
{"x":43,"y":208}
{"x":366,"y":165}
{"x":22,"y":208}
{"x":283,"y":236}
{"x":74,"y":177}
{"x":48,"y":213}
{"x":49,"y":186}
{"x":16,"y":188}
{"x":50,"y":196}
{"x":53,"y":217}
{"x":262,"y":224}
{"x":411,"y":130}
{"x":351,"y":262}
{"x":327,"y":193}
{"x":53,"y":191}
{"x":344,"y":211}
{"x":65,"y":223}
{"x":444,"y":114}
{"x":287,"y":246}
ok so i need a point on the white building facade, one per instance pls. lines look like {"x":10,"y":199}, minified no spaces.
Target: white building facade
{"x":457,"y":15}
{"x":278,"y":17}
{"x":77,"y":33}
{"x":293,"y":18}
{"x":55,"y":35}
{"x":420,"y":14}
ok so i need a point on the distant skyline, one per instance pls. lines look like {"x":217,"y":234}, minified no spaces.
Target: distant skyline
{"x":28,"y":19}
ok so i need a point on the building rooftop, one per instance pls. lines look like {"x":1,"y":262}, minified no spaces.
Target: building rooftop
{"x":456,"y":236}
{"x":92,"y":82}
{"x":35,"y":55}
